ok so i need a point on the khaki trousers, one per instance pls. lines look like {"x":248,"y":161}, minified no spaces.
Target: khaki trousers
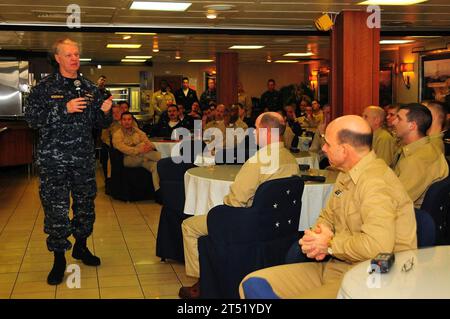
{"x":193,"y":228}
{"x":312,"y":280}
{"x":147,"y":161}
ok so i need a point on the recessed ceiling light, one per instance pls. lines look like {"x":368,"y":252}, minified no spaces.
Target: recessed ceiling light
{"x":201,"y":60}
{"x":85,"y":59}
{"x":211,"y":14}
{"x":396,"y":41}
{"x":137,"y":33}
{"x":160,"y":6}
{"x":132,"y":60}
{"x":126,"y":37}
{"x":138,"y":57}
{"x":391,"y":2}
{"x":246,"y":47}
{"x":286,"y":61}
{"x":123,"y":46}
{"x":299,"y":54}
{"x":219,"y":7}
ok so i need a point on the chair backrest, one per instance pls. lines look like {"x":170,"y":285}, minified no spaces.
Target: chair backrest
{"x":171,"y":177}
{"x":437,"y":203}
{"x":278,"y":203}
{"x":242,"y":240}
{"x":426,"y":229}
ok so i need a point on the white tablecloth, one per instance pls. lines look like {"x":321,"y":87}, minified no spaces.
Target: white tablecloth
{"x":163,"y":146}
{"x":205,"y":187}
{"x":429,"y":278}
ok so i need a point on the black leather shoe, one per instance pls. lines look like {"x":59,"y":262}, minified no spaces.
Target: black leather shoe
{"x":56,"y":275}
{"x":81,"y":252}
{"x":192,"y":292}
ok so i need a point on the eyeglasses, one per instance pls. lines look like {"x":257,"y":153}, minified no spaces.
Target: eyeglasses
{"x":408,"y":265}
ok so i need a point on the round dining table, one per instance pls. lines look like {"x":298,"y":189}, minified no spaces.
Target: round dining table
{"x":164,"y":146}
{"x":205,"y":187}
{"x":416,"y":274}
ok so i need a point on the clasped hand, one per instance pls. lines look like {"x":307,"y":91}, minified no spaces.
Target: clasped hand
{"x":146,"y":147}
{"x":315,"y":242}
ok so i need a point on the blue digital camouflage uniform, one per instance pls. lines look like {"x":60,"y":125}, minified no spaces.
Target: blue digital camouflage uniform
{"x":66,"y":155}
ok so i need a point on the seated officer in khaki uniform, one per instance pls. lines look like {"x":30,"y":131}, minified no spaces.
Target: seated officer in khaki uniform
{"x":437,"y":128}
{"x":108,"y":132}
{"x":419,"y":163}
{"x":136,"y":147}
{"x":272,"y":161}
{"x":368,"y":213}
{"x":383,"y":143}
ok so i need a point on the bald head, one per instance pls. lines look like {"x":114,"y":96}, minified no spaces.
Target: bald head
{"x":375,"y":116}
{"x":271,"y":120}
{"x":264,"y":125}
{"x":347,"y":140}
{"x":352,"y":130}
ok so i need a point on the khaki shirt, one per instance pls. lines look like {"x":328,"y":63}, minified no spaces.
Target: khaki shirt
{"x":318,"y":117}
{"x":438,"y":141}
{"x":369,"y":212}
{"x":420,"y":164}
{"x":221,"y":126}
{"x":257,"y":169}
{"x":317,"y":144}
{"x":129,"y":143}
{"x":384,"y":145}
{"x":308,"y":124}
{"x":288,"y":136}
{"x":245,"y":100}
{"x":159,"y":102}
{"x":107,"y":133}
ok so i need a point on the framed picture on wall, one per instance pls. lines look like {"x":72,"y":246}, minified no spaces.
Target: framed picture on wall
{"x":435,"y":77}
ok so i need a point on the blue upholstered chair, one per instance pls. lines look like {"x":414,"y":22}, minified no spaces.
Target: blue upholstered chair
{"x":242,"y":240}
{"x":129,"y":183}
{"x":169,"y":242}
{"x":437,"y":204}
{"x":426,"y":229}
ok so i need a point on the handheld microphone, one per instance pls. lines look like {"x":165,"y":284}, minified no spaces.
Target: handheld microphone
{"x":77,"y":84}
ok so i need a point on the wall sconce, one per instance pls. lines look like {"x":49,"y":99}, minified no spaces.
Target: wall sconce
{"x":405,"y":69}
{"x":313,"y":80}
{"x":155,"y":44}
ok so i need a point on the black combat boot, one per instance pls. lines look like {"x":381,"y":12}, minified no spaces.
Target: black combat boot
{"x":80,"y":251}
{"x":56,"y":275}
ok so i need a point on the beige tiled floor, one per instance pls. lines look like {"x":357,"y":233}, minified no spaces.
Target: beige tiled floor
{"x":124,"y":237}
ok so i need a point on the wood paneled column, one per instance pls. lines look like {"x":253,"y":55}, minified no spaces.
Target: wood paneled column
{"x":355,"y":64}
{"x":227,"y":65}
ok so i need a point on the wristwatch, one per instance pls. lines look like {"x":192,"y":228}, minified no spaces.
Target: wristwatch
{"x":330,"y":250}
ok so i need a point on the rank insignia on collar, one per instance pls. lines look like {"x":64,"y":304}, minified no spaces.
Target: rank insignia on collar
{"x":338,"y":193}
{"x":57,"y":96}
